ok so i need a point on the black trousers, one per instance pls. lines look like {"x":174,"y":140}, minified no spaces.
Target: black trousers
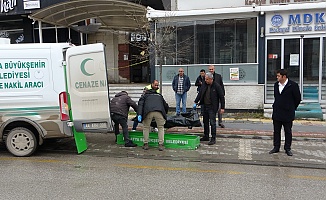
{"x":277,"y":134}
{"x":120,"y":120}
{"x":209,"y":117}
{"x":219,"y":115}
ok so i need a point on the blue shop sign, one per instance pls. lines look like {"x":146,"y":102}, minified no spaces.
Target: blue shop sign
{"x":304,"y":22}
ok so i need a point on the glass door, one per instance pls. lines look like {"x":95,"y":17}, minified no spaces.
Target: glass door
{"x":292,"y":58}
{"x":310,"y":69}
{"x":300,"y":56}
{"x":273,"y":60}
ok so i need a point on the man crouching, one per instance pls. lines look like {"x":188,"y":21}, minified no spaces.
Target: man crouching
{"x":152,"y":106}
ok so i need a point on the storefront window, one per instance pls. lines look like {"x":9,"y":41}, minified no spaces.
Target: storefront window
{"x":213,"y":41}
{"x":204,"y":51}
{"x":49,"y":34}
{"x":165,"y":44}
{"x":235,"y":41}
{"x":323,"y":84}
{"x":12,"y":29}
{"x":185,"y":43}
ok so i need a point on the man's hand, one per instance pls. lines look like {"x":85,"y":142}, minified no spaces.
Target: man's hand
{"x":139,"y":117}
{"x":222,"y":111}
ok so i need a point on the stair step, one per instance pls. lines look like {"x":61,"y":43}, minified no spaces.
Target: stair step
{"x":309,"y":107}
{"x":309,"y":114}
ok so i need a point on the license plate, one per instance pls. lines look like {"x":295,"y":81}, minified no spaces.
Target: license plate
{"x":95,"y":125}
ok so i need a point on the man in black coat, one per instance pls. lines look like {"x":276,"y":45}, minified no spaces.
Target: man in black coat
{"x":218,"y":79}
{"x":152,"y":105}
{"x":210,"y":95}
{"x":119,"y":107}
{"x":287,"y":98}
{"x":199,"y":81}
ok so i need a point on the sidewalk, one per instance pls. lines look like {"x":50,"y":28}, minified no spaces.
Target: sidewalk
{"x":247,"y":128}
{"x":256,"y":129}
{"x":234,"y":145}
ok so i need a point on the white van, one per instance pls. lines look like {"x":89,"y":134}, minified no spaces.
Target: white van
{"x":50,"y":91}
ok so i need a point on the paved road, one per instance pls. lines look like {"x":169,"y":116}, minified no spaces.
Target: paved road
{"x":67,"y":176}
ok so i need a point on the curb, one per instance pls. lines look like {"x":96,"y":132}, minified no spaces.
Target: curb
{"x":217,"y":160}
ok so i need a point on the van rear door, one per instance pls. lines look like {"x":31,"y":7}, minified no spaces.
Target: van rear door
{"x":87,"y":86}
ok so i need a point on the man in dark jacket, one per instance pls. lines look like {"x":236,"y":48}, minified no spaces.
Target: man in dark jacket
{"x":181,"y":85}
{"x":210,"y":95}
{"x":155,"y":86}
{"x":199,"y":82}
{"x":119,"y":107}
{"x":218,"y":79}
{"x":287,"y":98}
{"x":152,"y":105}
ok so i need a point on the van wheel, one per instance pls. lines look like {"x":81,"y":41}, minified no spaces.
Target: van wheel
{"x":21,"y":142}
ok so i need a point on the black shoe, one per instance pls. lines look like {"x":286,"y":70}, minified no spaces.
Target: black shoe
{"x":221,"y":125}
{"x":274,"y":151}
{"x":145,"y":147}
{"x":130,"y":144}
{"x":212,"y":142}
{"x":160,"y":147}
{"x":289,"y":152}
{"x":204,"y":139}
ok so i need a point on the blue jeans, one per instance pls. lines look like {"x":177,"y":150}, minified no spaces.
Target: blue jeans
{"x":178,"y":98}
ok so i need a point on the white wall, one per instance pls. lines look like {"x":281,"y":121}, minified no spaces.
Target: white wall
{"x":236,"y":96}
{"x":208,"y":4}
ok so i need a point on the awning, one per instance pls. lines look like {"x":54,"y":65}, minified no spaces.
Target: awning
{"x":108,"y":14}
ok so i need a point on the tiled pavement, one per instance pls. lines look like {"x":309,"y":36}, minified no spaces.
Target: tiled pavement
{"x":309,"y":154}
{"x":233,"y":146}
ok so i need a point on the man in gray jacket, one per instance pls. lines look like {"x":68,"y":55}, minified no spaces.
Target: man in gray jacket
{"x":119,"y":108}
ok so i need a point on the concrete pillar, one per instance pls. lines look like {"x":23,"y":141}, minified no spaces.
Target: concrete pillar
{"x":111,"y":49}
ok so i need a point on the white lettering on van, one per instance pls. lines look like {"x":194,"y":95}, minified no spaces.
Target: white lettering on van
{"x":25,"y":73}
{"x":35,"y":84}
{"x":11,"y":85}
{"x":22,"y":65}
{"x":12,"y":75}
{"x":7,"y":5}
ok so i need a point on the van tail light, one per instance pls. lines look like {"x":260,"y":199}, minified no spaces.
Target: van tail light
{"x":64,"y":108}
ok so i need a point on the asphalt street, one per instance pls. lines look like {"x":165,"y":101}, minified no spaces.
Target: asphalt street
{"x":65,"y":175}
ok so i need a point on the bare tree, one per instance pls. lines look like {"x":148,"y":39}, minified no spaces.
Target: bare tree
{"x":162,"y":40}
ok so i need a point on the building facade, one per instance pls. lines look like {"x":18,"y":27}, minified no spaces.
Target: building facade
{"x":15,"y":24}
{"x":247,"y":41}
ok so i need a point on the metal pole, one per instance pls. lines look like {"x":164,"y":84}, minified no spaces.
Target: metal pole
{"x":56,"y":33}
{"x":81,"y":38}
{"x":69,"y":33}
{"x":40,"y":35}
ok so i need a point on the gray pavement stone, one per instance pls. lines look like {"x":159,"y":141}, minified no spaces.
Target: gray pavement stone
{"x":233,"y":146}
{"x":311,"y":154}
